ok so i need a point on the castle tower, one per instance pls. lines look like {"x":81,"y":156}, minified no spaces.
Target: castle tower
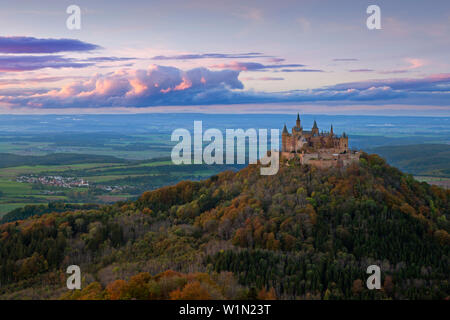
{"x":315,"y":129}
{"x":284,"y":139}
{"x":297,"y":123}
{"x":343,"y":143}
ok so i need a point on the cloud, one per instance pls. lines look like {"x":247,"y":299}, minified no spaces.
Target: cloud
{"x":34,"y":80}
{"x":35,"y":45}
{"x":276,"y":60}
{"x":170,"y":86}
{"x":263,"y":78}
{"x":158,"y":85}
{"x":16,"y":63}
{"x":252,"y":66}
{"x":436,"y":82}
{"x":413,"y":63}
{"x":360,"y":70}
{"x":300,"y":70}
{"x":344,"y":59}
{"x":108,"y":59}
{"x":393,"y":71}
{"x":248,"y":55}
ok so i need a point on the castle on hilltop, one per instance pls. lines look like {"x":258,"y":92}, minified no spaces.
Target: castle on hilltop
{"x":321,"y":149}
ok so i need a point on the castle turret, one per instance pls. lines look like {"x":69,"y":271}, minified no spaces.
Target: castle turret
{"x":297,"y":123}
{"x":343,"y":143}
{"x":331,"y":131}
{"x":284,"y":139}
{"x":315,"y":129}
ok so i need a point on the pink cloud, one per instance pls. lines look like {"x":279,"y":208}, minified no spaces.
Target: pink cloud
{"x":413,"y":63}
{"x":238,"y":66}
{"x":134,"y":87}
{"x":253,"y":66}
{"x":169,"y":86}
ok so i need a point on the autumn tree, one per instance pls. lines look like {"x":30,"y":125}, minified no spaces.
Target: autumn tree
{"x":192,"y":291}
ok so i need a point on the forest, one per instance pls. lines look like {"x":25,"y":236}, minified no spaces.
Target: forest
{"x":304,"y":233}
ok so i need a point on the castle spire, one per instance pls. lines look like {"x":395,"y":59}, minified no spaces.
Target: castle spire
{"x":315,"y":129}
{"x":331,"y":132}
{"x":297,"y":123}
{"x":285,"y":129}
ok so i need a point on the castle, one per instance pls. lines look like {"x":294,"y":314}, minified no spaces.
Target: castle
{"x":321,"y":149}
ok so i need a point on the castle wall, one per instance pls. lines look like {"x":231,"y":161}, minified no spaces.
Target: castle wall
{"x":324,"y":160}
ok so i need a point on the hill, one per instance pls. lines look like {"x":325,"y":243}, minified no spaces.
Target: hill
{"x":301,"y":234}
{"x":419,"y":159}
{"x":38,"y":210}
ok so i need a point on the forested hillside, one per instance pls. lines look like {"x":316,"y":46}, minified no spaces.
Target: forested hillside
{"x":301,"y":234}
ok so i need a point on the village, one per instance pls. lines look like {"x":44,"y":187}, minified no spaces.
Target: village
{"x":55,"y":181}
{"x":66,"y":182}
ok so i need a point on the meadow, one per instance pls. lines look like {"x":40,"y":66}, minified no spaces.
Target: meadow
{"x":127,"y":181}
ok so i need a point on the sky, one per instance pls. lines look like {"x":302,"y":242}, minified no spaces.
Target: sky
{"x":225,"y":56}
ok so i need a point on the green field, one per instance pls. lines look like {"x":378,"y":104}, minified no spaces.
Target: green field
{"x":130,"y":179}
{"x":438,"y":181}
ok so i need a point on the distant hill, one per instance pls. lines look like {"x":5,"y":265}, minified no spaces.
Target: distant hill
{"x":418,"y":159}
{"x":303,"y":233}
{"x":38,"y":210}
{"x":14,"y":160}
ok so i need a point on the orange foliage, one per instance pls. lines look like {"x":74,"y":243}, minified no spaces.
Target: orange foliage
{"x":115,"y":290}
{"x":263,"y":294}
{"x":167,"y":274}
{"x":192,"y":291}
{"x":4,"y":235}
{"x":442,"y":237}
{"x":92,"y":292}
{"x":147,"y":211}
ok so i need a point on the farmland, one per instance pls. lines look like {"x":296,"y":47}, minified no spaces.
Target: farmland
{"x":108,"y":182}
